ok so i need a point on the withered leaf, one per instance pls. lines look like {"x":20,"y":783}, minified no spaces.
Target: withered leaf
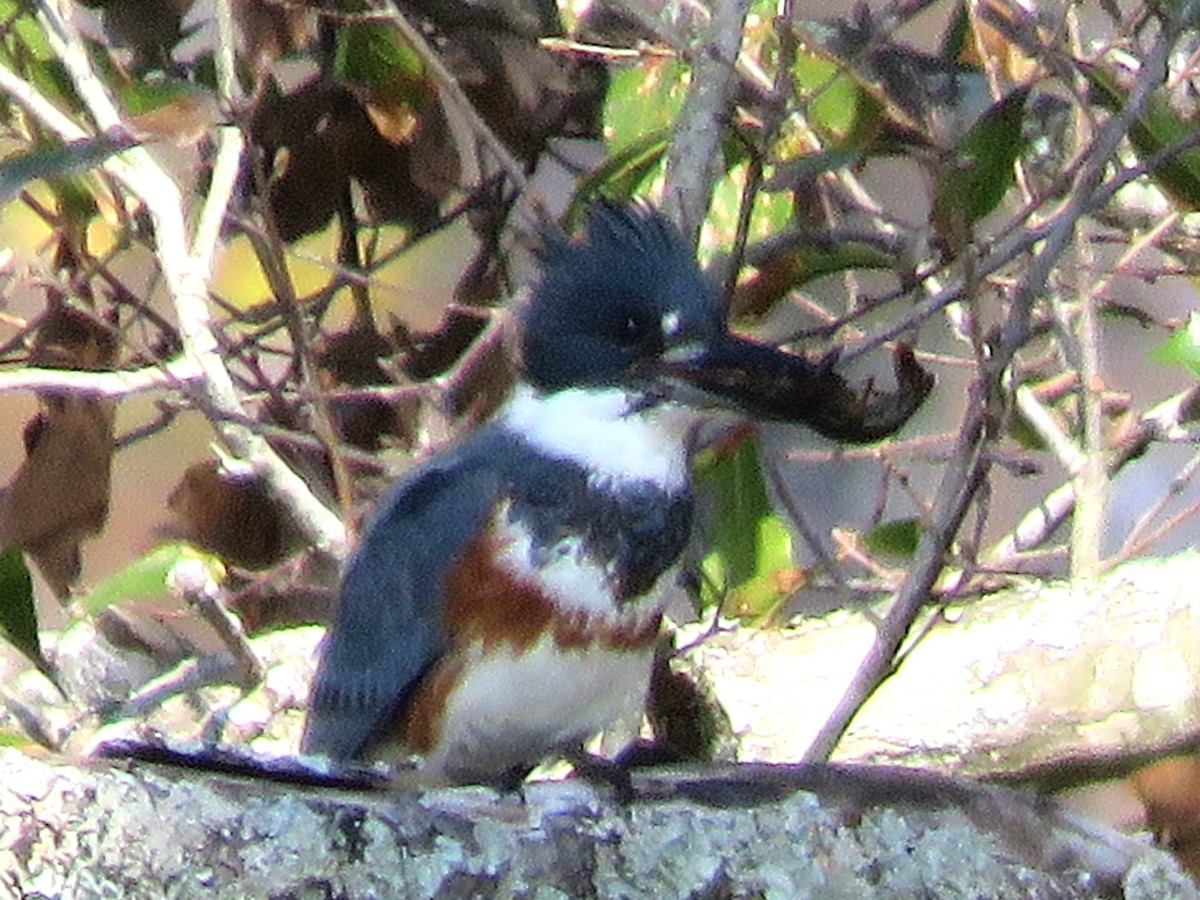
{"x":230,"y":515}
{"x":525,"y":93}
{"x":270,"y":30}
{"x":60,"y":493}
{"x":351,"y":359}
{"x":323,"y":136}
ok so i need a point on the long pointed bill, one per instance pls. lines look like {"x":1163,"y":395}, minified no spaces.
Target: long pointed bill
{"x":768,"y":383}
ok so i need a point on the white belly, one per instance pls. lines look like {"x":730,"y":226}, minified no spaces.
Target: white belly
{"x":511,"y":710}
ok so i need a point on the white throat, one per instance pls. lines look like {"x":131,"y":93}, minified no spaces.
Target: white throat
{"x":596,"y":428}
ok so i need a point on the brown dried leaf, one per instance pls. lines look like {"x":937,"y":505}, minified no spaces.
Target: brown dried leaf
{"x":329,"y":137}
{"x":69,"y":338}
{"x":231,"y":515}
{"x":525,"y":93}
{"x":60,"y":493}
{"x":395,"y":122}
{"x":270,"y":30}
{"x":351,"y":359}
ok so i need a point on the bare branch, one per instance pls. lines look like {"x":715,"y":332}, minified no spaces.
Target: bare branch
{"x":694,"y":157}
{"x":968,"y":465}
{"x":178,"y":374}
{"x":756,"y":830}
{"x":187,"y":277}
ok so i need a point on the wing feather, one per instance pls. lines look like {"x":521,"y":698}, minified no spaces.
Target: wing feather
{"x":388,"y":628}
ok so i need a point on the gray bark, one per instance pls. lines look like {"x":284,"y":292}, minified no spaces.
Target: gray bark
{"x":135,"y":830}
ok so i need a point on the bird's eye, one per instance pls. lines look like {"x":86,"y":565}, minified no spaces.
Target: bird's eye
{"x":627,"y":330}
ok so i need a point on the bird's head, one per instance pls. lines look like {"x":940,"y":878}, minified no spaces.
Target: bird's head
{"x":613,"y":303}
{"x":625,"y":307}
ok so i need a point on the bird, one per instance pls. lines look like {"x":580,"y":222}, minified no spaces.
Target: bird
{"x":506,"y":595}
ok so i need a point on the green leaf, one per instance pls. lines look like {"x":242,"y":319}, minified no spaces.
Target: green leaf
{"x":643,"y":99}
{"x":621,"y":175}
{"x":798,"y":266}
{"x":25,"y":49}
{"x":139,"y":97}
{"x":1182,"y":347}
{"x":811,"y":262}
{"x":975,"y":182}
{"x":1155,"y":129}
{"x":896,"y":538}
{"x":834,"y":99}
{"x":770,"y":215}
{"x":903,"y":96}
{"x":11,"y":737}
{"x":804,"y":169}
{"x":958,"y":32}
{"x":761,"y":596}
{"x":22,"y":36}
{"x":18,"y":611}
{"x":373,"y":57}
{"x":58,"y":163}
{"x":75,"y":199}
{"x":1022,"y":431}
{"x":749,"y":541}
{"x":639,"y":112}
{"x":144,"y":577}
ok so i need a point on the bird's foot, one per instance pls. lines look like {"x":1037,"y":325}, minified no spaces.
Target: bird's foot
{"x":602,"y":771}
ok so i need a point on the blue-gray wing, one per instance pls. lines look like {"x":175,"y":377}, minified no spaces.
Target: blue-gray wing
{"x":388,"y":628}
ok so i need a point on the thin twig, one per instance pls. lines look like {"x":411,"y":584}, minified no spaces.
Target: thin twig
{"x":1135,"y":543}
{"x":969,"y":464}
{"x":1080,"y":328}
{"x":1049,"y":430}
{"x":230,"y":144}
{"x":175,"y":375}
{"x":1164,"y":422}
{"x":190,"y":675}
{"x":800,"y":522}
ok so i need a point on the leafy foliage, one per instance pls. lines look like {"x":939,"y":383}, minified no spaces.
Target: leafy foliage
{"x":1182,"y":347}
{"x":1153,"y":133}
{"x":981,"y":173}
{"x":749,"y":561}
{"x":18,"y":617}
{"x":148,"y":576}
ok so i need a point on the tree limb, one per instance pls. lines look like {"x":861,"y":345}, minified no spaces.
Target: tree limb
{"x":140,"y":830}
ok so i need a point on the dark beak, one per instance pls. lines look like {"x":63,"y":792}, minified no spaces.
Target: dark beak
{"x":765,"y":382}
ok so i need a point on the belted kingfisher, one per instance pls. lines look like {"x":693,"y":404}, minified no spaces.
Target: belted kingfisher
{"x":506,"y":595}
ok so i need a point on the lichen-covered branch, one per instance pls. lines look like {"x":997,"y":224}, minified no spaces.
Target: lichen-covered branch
{"x":137,"y":830}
